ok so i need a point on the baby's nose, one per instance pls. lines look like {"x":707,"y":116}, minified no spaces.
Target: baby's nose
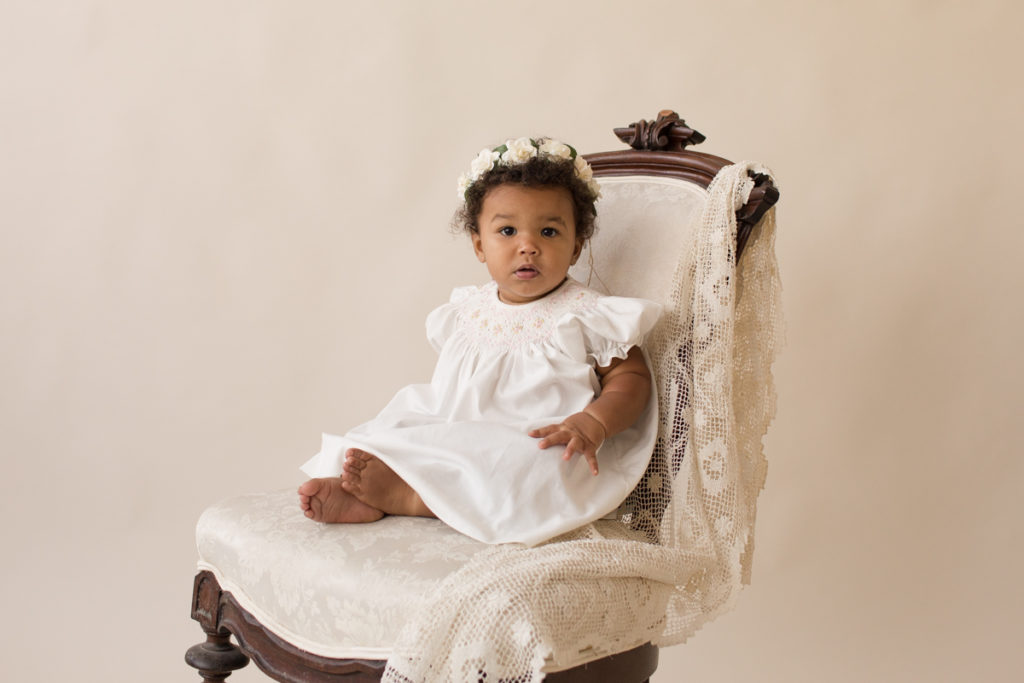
{"x":527,"y":247}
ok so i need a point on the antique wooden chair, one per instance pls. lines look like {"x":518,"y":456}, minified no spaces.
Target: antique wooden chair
{"x":312,"y":602}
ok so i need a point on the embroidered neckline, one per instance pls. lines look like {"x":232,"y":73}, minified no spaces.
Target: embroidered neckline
{"x":553,"y":292}
{"x":489,"y":322}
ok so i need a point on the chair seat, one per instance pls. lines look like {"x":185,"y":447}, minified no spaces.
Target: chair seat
{"x":342,"y":591}
{"x":337,"y":590}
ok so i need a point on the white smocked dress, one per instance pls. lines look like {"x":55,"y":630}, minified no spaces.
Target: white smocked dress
{"x":461,"y":441}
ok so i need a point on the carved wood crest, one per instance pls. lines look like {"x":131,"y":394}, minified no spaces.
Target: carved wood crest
{"x":667,"y":133}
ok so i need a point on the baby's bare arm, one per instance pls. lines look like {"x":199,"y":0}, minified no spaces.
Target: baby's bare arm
{"x":625,"y":390}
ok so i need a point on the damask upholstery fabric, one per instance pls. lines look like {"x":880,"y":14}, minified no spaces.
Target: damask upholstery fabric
{"x":645,"y":227}
{"x":335,"y":590}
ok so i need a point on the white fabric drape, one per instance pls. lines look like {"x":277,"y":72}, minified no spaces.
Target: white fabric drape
{"x":684,"y":550}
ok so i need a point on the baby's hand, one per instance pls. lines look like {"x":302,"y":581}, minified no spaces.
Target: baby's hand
{"x":580,"y":432}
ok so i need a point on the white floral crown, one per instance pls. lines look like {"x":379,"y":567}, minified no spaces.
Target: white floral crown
{"x":521,"y":150}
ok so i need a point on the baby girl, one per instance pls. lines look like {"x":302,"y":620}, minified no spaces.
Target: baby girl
{"x":540,"y":383}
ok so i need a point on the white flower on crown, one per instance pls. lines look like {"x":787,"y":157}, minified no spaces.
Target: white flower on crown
{"x":483,"y":163}
{"x":464,"y":182}
{"x":583,"y":170}
{"x":555,"y":148}
{"x":585,"y":173}
{"x":518,"y":151}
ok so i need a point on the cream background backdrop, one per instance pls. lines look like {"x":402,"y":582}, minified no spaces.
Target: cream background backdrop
{"x":223,"y":224}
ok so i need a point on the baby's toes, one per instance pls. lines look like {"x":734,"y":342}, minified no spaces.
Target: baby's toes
{"x":314,"y":508}
{"x":362,"y":456}
{"x":309,"y":488}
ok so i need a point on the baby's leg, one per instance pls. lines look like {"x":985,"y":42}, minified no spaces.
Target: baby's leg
{"x":377,"y":485}
{"x":324,"y":500}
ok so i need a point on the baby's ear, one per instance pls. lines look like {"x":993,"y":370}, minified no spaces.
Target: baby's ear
{"x":577,"y":251}
{"x":478,"y":247}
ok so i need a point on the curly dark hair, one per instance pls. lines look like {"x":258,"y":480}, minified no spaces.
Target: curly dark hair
{"x":540,"y":172}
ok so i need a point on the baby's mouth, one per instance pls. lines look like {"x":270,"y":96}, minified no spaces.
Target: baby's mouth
{"x":526,"y":272}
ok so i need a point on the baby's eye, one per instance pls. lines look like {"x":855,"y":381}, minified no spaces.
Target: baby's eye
{"x":507,"y":231}
{"x":549,"y":232}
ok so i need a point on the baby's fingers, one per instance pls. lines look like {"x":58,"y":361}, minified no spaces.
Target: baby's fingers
{"x":544,"y":431}
{"x":553,"y":434}
{"x":571,"y":447}
{"x":578,"y":445}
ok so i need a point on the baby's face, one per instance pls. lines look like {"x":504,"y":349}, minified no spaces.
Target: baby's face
{"x":527,"y":240}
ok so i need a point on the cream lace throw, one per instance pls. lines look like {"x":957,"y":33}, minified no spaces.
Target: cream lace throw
{"x":679,"y":557}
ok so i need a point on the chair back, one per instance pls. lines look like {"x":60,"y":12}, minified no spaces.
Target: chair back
{"x":645,"y":232}
{"x":652,"y":197}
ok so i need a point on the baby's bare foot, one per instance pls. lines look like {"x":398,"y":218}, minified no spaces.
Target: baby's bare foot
{"x":377,"y":485}
{"x":324,"y":500}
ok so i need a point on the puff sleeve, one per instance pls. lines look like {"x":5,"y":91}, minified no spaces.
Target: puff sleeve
{"x":614,"y":325}
{"x":442,"y":321}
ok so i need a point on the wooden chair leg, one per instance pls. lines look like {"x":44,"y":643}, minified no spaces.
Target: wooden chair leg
{"x":216,"y":658}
